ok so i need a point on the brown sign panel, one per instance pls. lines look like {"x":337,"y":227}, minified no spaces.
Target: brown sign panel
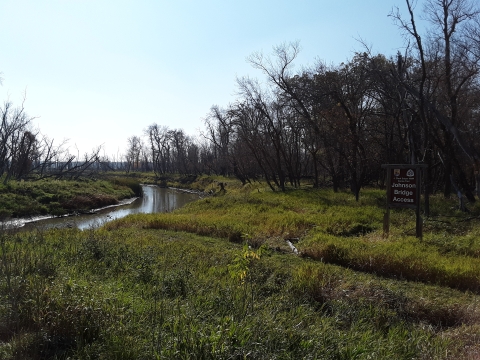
{"x":403,"y":190}
{"x":403,"y":187}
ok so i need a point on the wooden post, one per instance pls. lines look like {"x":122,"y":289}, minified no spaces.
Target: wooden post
{"x":418,"y":224}
{"x":386,"y":217}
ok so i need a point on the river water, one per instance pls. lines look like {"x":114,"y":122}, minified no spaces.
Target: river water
{"x":154,"y":200}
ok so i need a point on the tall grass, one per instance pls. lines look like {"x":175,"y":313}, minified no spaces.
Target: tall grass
{"x":404,"y":259}
{"x":133,"y":293}
{"x":332,"y":228}
{"x":171,"y":285}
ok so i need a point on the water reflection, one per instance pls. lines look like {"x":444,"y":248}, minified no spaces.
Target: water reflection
{"x":154,"y":200}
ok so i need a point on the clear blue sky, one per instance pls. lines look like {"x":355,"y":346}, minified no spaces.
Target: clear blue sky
{"x":96,"y":71}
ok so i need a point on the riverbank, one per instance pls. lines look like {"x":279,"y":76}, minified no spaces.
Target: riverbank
{"x":60,"y":197}
{"x":217,"y":279}
{"x":200,"y":184}
{"x":28,"y":202}
{"x":154,"y":200}
{"x":17,"y":223}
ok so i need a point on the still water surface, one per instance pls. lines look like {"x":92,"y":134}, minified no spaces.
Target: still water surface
{"x":154,"y":200}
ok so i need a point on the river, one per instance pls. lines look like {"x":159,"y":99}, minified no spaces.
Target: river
{"x":154,"y":200}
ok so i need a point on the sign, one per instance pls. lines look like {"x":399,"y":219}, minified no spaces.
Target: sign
{"x":403,"y":187}
{"x":403,"y":190}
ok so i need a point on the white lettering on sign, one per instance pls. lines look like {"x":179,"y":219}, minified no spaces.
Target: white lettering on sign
{"x":402,"y":192}
{"x":400,"y":199}
{"x":407,"y":186}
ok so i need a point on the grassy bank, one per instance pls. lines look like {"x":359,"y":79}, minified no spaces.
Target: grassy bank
{"x":184,"y":285}
{"x":58,"y":197}
{"x":200,"y":183}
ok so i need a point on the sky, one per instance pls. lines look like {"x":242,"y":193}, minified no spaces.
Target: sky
{"x":96,"y":72}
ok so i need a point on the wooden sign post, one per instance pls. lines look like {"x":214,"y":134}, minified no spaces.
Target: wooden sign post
{"x":403,"y":191}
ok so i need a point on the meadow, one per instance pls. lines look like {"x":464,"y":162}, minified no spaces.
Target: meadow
{"x":218,"y":280}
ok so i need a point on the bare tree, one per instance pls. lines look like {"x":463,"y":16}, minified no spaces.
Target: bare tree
{"x":220,"y":132}
{"x":160,"y":147}
{"x":451,"y":62}
{"x":16,"y":140}
{"x":134,"y":151}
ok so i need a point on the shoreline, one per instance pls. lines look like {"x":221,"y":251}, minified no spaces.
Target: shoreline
{"x":18,"y":223}
{"x":21,"y":222}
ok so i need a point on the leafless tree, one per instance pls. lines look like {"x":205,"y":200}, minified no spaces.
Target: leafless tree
{"x":16,"y":140}
{"x":450,"y":65}
{"x":134,"y":151}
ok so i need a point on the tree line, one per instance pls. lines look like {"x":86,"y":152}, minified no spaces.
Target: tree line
{"x":328,"y":125}
{"x":336,"y":125}
{"x":25,"y":153}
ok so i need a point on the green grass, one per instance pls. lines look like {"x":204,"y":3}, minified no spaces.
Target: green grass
{"x":133,"y":293}
{"x":58,"y":197}
{"x":403,"y":258}
{"x":185,"y":285}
